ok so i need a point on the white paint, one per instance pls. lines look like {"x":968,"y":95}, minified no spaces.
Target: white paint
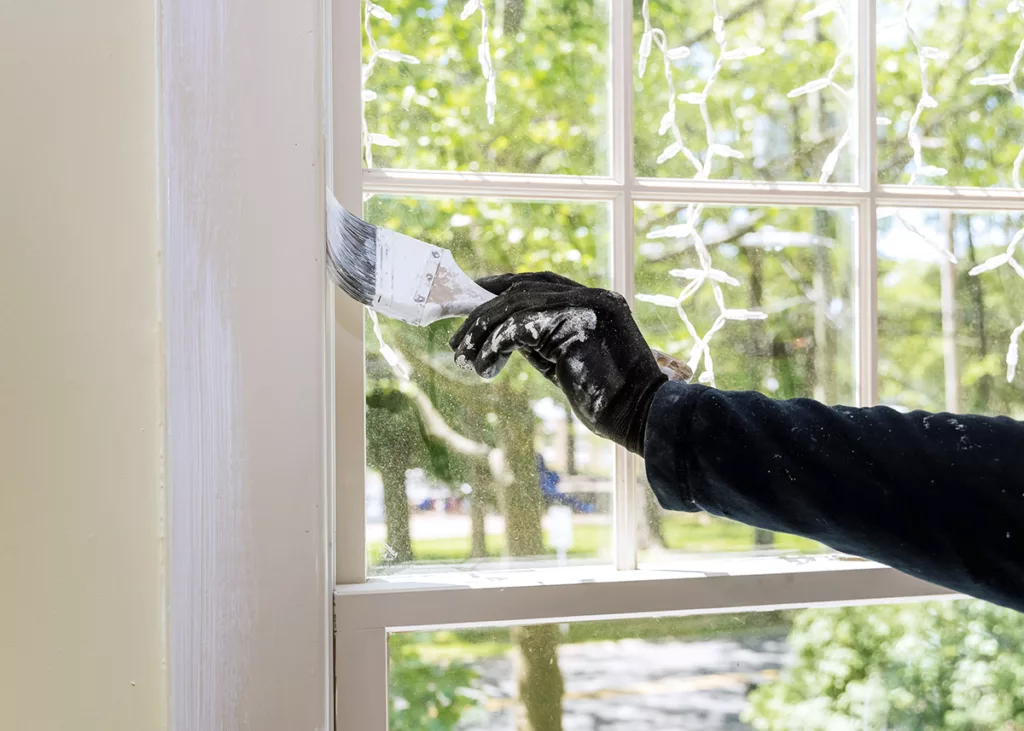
{"x":81,"y":494}
{"x":250,"y":568}
{"x":344,"y":128}
{"x":597,"y":592}
{"x":362,"y":685}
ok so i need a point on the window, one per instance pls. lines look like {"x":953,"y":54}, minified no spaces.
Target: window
{"x":900,"y":666}
{"x":804,"y":198}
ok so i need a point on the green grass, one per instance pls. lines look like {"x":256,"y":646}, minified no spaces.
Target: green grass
{"x":475,"y":644}
{"x":588,"y":540}
{"x":684,"y":532}
{"x":693,"y":532}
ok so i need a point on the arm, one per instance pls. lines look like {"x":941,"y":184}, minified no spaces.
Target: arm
{"x":938,"y":496}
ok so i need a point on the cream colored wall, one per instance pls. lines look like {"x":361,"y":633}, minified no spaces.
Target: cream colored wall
{"x":81,"y":582}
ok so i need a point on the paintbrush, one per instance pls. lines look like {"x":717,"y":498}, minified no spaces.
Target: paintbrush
{"x":410,"y":280}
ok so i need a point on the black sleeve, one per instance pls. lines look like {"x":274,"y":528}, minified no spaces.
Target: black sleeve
{"x":938,"y":496}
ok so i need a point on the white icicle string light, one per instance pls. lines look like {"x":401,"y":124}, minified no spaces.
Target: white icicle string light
{"x":1009,"y":80}
{"x":373,"y":10}
{"x":697,"y":278}
{"x":1009,"y":257}
{"x":668,"y":121}
{"x":706,"y":274}
{"x":828,"y":81}
{"x":926,"y":101}
{"x":483,"y":54}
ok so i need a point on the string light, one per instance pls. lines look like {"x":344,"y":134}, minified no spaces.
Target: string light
{"x":372,"y":10}
{"x":706,"y":274}
{"x":828,"y":81}
{"x":483,"y":54}
{"x":1008,"y":258}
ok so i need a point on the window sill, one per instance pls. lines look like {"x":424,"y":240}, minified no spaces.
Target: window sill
{"x":593,"y":592}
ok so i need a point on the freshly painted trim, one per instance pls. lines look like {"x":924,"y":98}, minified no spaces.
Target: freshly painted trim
{"x":621,"y":114}
{"x":349,"y":359}
{"x":567,"y":187}
{"x":250,"y":574}
{"x":557,"y":595}
{"x":624,"y":505}
{"x":362,"y":673}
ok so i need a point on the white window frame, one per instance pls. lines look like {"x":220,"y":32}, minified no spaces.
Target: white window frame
{"x":366,"y":612}
{"x":249,"y":440}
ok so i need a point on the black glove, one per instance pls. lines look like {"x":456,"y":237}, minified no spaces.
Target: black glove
{"x":583,"y":340}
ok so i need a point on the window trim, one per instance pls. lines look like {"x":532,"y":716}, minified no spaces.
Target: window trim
{"x":698,"y":586}
{"x":249,"y":561}
{"x":366,"y":612}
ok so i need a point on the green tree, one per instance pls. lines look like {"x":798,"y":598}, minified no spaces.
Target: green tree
{"x":938,"y":665}
{"x":426,"y":696}
{"x":398,"y":445}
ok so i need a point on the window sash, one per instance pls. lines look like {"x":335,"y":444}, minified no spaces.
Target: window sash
{"x":694,"y":586}
{"x":621,"y":189}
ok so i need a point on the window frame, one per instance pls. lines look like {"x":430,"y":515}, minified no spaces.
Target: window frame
{"x":247,"y":435}
{"x":366,"y":612}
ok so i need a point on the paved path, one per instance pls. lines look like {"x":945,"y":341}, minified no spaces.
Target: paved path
{"x":636,"y":685}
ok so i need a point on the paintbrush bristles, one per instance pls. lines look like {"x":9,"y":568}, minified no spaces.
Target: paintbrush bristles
{"x":351,"y":252}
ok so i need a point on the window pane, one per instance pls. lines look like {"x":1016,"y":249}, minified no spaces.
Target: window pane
{"x":943,"y":334}
{"x":949,"y":113}
{"x":462,"y":470}
{"x":952,"y":664}
{"x":765,"y":86}
{"x":533,"y":99}
{"x":793,"y":266}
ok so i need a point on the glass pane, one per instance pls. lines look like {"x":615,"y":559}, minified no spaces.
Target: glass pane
{"x":466,"y":471}
{"x":517,"y":86}
{"x":944,"y":336}
{"x":791,"y":266}
{"x":949,"y":111}
{"x":744,"y":90}
{"x":934,"y":665}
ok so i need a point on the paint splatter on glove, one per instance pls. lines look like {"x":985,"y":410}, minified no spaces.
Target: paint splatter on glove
{"x":583,"y":340}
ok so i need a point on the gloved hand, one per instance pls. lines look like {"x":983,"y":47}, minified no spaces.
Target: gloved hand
{"x":583,"y":340}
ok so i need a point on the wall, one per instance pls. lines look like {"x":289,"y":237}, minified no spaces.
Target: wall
{"x":81,"y":618}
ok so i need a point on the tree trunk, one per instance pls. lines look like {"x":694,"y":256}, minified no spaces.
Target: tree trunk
{"x":510,"y":16}
{"x":759,"y":348}
{"x":524,"y":504}
{"x":478,"y":516}
{"x":824,"y":362}
{"x":950,"y":359}
{"x":984,"y":389}
{"x":396,"y":516}
{"x":653,"y":518}
{"x":540,"y":679}
{"x":570,"y":443}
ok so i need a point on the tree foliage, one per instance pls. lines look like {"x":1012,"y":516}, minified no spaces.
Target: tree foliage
{"x":940,"y":665}
{"x":426,"y":696}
